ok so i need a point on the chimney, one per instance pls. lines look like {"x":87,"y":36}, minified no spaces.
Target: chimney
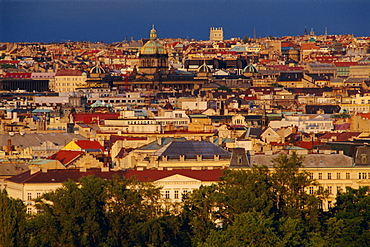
{"x":83,"y":169}
{"x":9,"y":146}
{"x":219,"y":141}
{"x":160,"y":141}
{"x":105,"y":169}
{"x":34,"y":169}
{"x":182,"y":157}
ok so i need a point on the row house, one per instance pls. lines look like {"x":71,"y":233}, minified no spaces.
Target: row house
{"x":306,"y":123}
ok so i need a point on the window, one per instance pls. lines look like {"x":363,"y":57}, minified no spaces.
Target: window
{"x":338,"y":175}
{"x":359,"y":175}
{"x":176,"y":195}
{"x":320,"y":204}
{"x":364,"y":175}
{"x":348,"y":176}
{"x":330,"y":190}
{"x":320,"y":175}
{"x":310,"y":175}
{"x":338,"y":189}
{"x":329,"y":205}
{"x":167,"y":194}
{"x":29,"y":196}
{"x":29,"y":210}
{"x":329,"y":175}
{"x":38,"y":195}
{"x":310,"y":190}
{"x":184,"y":193}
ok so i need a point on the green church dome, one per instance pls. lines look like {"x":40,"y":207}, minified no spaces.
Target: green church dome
{"x":153,"y":46}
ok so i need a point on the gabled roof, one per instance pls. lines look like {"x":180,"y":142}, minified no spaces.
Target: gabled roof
{"x":66,"y":156}
{"x":340,"y":137}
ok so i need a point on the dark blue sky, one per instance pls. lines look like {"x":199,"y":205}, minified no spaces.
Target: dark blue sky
{"x":114,"y":20}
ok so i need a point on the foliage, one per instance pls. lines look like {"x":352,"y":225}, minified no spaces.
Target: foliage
{"x":255,"y":207}
{"x":7,"y":66}
{"x":12,"y":221}
{"x":350,"y":224}
{"x":246,"y":40}
{"x":275,"y":84}
{"x":223,"y":88}
{"x":341,"y":115}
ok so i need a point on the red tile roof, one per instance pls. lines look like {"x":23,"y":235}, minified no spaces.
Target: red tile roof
{"x":66,"y":156}
{"x":63,"y":175}
{"x":86,"y":144}
{"x":154,"y":175}
{"x":69,"y":72}
{"x":339,"y":137}
{"x":18,"y":75}
{"x":364,"y":115}
{"x":94,"y":118}
{"x":345,"y":64}
{"x":10,"y":61}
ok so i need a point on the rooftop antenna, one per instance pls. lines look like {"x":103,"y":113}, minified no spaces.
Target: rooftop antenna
{"x":326,"y":31}
{"x":254,"y":33}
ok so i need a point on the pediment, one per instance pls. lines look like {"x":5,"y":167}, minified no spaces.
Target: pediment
{"x":177,"y":178}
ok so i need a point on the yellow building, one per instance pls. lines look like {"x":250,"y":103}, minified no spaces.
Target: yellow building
{"x":333,"y":172}
{"x":69,"y":80}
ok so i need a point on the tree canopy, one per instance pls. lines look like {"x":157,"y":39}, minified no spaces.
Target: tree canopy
{"x":256,"y":207}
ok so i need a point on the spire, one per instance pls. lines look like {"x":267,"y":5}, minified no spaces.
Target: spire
{"x":153,"y":33}
{"x":305,"y":31}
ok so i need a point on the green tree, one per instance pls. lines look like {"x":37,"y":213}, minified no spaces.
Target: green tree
{"x":249,"y":229}
{"x":350,"y":223}
{"x":12,"y":221}
{"x":72,"y":215}
{"x":244,"y":191}
{"x":137,"y":215}
{"x":246,"y":40}
{"x":200,"y":211}
{"x":290,"y":185}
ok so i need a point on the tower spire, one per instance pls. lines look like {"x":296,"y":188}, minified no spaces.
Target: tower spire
{"x":153,"y":33}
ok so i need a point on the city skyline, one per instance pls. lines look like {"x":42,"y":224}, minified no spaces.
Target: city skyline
{"x":114,"y":20}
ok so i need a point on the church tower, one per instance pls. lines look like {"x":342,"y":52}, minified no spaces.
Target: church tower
{"x":153,"y":58}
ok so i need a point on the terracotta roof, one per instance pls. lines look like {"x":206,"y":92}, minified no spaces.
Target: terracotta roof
{"x":86,"y":144}
{"x":18,"y":75}
{"x":340,"y":137}
{"x":94,"y":117}
{"x":66,"y":156}
{"x":69,"y":72}
{"x":345,"y":64}
{"x":154,"y":175}
{"x":63,"y":175}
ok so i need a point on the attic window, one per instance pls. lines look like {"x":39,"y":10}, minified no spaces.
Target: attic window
{"x":240,"y":159}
